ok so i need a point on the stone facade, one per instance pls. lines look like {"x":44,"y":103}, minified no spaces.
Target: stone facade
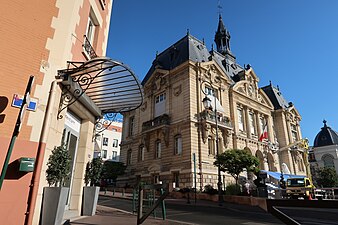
{"x":175,"y":85}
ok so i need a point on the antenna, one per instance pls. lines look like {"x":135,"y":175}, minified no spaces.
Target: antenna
{"x":220,"y":8}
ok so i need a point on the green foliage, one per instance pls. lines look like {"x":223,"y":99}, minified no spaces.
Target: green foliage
{"x":111,"y":170}
{"x":233,"y":189}
{"x":93,"y":172}
{"x":327,"y":177}
{"x":58,"y":166}
{"x":234,"y":161}
{"x":210,"y":189}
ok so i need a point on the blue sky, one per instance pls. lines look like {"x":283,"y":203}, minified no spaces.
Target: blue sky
{"x":292,"y":43}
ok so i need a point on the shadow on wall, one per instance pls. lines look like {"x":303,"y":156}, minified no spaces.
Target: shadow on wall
{"x":13,"y":172}
{"x":3,"y":106}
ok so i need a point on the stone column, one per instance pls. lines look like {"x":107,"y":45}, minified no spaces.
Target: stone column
{"x":247,"y":122}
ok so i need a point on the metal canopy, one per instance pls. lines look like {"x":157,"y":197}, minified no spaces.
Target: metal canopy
{"x":110,"y":85}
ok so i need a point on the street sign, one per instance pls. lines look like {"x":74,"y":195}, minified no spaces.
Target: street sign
{"x":31,"y":102}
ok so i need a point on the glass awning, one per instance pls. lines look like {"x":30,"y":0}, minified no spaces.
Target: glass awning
{"x":110,"y":85}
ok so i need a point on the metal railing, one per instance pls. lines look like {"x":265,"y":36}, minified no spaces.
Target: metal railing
{"x":88,"y":48}
{"x":222,"y":120}
{"x":158,"y":121}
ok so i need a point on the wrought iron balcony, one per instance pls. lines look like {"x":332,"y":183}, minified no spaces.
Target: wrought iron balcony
{"x":156,"y":122}
{"x":210,"y":116}
{"x":88,"y":48}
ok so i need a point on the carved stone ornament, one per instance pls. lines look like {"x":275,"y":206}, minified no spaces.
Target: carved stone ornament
{"x":178,"y":90}
{"x":159,"y":82}
{"x":145,"y":141}
{"x":144,"y":106}
{"x":205,"y":131}
{"x":165,"y":134}
{"x":226,"y":137}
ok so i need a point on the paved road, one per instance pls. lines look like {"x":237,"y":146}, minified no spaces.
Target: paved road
{"x":312,"y":216}
{"x":203,"y":213}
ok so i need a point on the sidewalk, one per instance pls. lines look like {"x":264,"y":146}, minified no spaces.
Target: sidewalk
{"x":111,"y":216}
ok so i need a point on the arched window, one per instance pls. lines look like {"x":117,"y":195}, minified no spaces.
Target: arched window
{"x":271,"y":162}
{"x":328,"y":160}
{"x":158,"y":150}
{"x":141,"y":153}
{"x":260,"y":157}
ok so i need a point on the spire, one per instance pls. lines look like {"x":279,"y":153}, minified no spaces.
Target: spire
{"x":222,"y":37}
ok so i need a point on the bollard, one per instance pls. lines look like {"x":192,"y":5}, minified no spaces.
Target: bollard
{"x":113,"y":191}
{"x":123,"y":192}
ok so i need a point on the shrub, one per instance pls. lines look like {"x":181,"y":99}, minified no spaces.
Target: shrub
{"x":58,"y":166}
{"x":210,"y":190}
{"x":93,"y":172}
{"x":233,"y":189}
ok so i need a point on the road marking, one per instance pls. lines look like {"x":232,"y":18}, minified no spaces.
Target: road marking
{"x":178,"y":214}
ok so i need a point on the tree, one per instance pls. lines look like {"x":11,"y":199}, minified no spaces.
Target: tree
{"x":327,"y":177}
{"x":111,"y":170}
{"x":234,"y":161}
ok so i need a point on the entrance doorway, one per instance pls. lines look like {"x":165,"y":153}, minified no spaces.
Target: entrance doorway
{"x":70,"y":139}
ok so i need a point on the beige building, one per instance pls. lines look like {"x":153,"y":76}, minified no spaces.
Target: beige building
{"x":172,"y":135}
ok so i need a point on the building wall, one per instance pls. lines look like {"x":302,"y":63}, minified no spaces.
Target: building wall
{"x":113,"y":132}
{"x":39,"y":38}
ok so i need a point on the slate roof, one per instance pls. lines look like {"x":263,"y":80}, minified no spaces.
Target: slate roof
{"x":326,"y":137}
{"x":275,"y":97}
{"x":190,"y":48}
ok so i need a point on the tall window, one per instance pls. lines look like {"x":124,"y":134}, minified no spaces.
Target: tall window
{"x":114,"y":155}
{"x":328,"y":160}
{"x":211,"y":146}
{"x":178,"y":145}
{"x":240,"y":119}
{"x":262,"y":123}
{"x":158,"y":149}
{"x":129,"y":157}
{"x":91,"y":30}
{"x":90,"y":36}
{"x":115,"y":143}
{"x":131,"y":125}
{"x":252,"y":123}
{"x":104,"y":154}
{"x":105,"y":141}
{"x":160,"y":102}
{"x":294,"y":132}
{"x":141,"y":153}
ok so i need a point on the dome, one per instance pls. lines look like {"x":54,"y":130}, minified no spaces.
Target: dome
{"x":326,"y":137}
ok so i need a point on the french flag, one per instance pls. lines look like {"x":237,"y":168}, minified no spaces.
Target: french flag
{"x":264,"y":135}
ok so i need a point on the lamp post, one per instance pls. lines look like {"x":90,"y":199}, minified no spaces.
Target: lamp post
{"x":207,"y":105}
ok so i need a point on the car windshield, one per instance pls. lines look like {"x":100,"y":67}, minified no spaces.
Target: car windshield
{"x":295,"y":182}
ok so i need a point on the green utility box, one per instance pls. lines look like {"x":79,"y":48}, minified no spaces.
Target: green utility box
{"x":26,"y":164}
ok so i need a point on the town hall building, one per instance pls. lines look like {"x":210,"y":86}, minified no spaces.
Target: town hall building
{"x":172,"y":137}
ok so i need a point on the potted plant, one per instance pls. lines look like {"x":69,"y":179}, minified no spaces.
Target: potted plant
{"x":55,"y":196}
{"x":91,"y":193}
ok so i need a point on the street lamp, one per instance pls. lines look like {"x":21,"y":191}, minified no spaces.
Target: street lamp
{"x":207,"y":105}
